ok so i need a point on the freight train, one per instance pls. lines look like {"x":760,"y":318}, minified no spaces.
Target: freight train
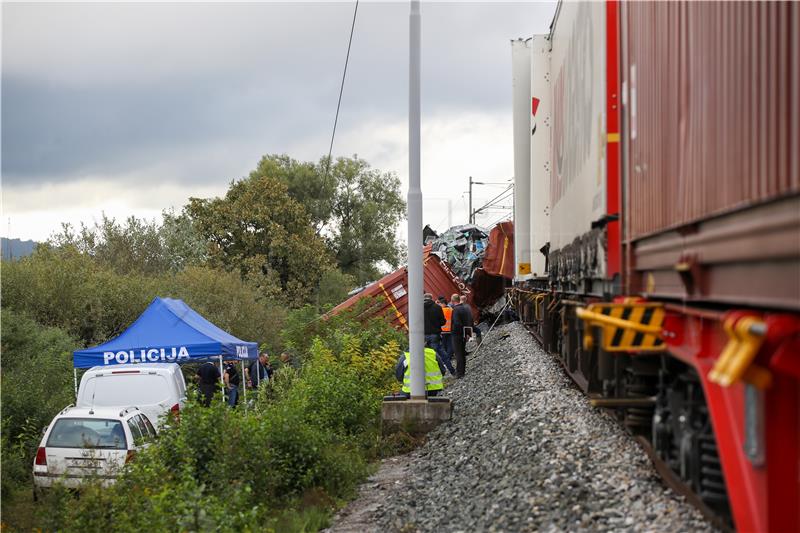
{"x":657,"y":234}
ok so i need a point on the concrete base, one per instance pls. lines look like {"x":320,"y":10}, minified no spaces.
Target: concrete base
{"x":415,"y":417}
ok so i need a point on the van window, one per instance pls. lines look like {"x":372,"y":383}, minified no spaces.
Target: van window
{"x":135,"y":431}
{"x":150,"y":429}
{"x":142,"y":427}
{"x":87,"y":433}
{"x":127,"y":389}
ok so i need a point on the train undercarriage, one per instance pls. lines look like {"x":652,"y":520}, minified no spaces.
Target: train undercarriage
{"x":658,"y":398}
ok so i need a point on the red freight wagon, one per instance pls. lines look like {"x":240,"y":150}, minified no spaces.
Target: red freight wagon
{"x":392,"y":290}
{"x":658,"y":148}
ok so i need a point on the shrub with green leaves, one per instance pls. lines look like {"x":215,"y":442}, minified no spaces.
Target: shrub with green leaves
{"x":36,"y":385}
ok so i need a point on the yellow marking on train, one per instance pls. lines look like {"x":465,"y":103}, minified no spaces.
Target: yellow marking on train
{"x":396,"y":310}
{"x":625,"y":327}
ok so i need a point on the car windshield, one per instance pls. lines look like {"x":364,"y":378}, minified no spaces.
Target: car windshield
{"x":87,"y":433}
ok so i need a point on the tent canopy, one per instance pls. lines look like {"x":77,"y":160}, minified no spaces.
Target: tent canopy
{"x":168,"y":331}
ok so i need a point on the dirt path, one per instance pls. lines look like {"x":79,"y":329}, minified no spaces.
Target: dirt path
{"x":355,"y":517}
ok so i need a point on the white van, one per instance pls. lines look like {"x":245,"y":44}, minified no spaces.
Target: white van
{"x":81,"y":444}
{"x":156,"y":388}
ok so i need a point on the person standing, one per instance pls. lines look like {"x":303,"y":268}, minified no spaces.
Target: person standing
{"x":231,"y":379}
{"x":434,"y":320}
{"x":207,"y":381}
{"x":461,"y":331}
{"x":447,"y":342}
{"x":259,"y":371}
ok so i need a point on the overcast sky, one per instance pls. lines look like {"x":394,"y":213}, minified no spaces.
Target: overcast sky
{"x":133,"y":108}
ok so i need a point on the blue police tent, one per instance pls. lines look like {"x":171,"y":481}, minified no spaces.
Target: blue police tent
{"x":168,"y":331}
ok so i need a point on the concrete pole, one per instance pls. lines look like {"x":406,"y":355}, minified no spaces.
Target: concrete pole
{"x":415,"y":285}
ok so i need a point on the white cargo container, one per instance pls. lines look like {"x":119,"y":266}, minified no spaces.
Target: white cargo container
{"x":540,"y":134}
{"x":565,"y":201}
{"x":521,"y":94}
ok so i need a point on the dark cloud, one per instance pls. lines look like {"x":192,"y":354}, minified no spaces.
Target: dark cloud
{"x":102,"y":89}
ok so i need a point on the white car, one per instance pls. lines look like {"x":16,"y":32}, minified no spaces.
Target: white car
{"x":156,"y":388}
{"x":82,"y":443}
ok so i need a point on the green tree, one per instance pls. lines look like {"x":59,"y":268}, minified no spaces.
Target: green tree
{"x":259,"y":230}
{"x":305,"y":183}
{"x":357,"y":208}
{"x":367,"y":208}
{"x":137,"y":245}
{"x":183,"y":244}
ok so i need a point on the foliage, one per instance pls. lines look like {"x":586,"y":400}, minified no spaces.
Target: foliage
{"x":183,"y":240}
{"x":333,"y":288}
{"x":281,"y":465}
{"x":270,"y":243}
{"x":355,"y":206}
{"x":36,"y":384}
{"x":304,"y":325}
{"x":258,"y":230}
{"x":305,"y":183}
{"x":68,"y":289}
{"x":137,"y":245}
{"x":366,"y":211}
{"x":65,"y":288}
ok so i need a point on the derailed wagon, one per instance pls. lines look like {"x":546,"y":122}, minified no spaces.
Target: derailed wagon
{"x":657,"y":224}
{"x":390,"y":293}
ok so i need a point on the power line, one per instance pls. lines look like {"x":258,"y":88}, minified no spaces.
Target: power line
{"x":341,"y":89}
{"x":507,"y":193}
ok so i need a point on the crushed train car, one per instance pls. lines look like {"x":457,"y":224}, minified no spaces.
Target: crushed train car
{"x":391,"y":291}
{"x":496,"y":270}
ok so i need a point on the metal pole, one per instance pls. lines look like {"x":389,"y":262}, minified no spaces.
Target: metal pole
{"x":415,"y":285}
{"x":470,"y":201}
{"x":449,"y":213}
{"x":75,"y":379}
{"x":221,"y":380}
{"x":244,"y":387}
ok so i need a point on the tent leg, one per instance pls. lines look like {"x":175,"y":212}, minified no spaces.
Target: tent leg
{"x":222,"y":380}
{"x":75,"y":381}
{"x":244,"y":387}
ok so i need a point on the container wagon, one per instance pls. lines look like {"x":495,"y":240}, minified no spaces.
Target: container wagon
{"x":657,"y":233}
{"x":390,"y":293}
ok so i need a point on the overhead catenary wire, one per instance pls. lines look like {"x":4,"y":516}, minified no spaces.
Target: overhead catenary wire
{"x":507,"y":193}
{"x":341,"y":89}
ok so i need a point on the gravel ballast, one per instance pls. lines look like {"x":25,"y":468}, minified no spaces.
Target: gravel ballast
{"x":524,"y":452}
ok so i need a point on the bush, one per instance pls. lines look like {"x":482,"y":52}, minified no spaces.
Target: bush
{"x":36,"y":385}
{"x":67,"y":289}
{"x":305,"y":324}
{"x":280,"y":466}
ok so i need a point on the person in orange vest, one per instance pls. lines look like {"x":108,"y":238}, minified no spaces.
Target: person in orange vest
{"x":447,"y":342}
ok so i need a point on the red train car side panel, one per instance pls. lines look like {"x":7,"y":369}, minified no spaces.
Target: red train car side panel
{"x":713,"y":151}
{"x":613,"y":176}
{"x":763,"y":492}
{"x":392,"y":290}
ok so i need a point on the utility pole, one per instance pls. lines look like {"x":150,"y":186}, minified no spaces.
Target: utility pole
{"x":415,"y":282}
{"x":470,"y":200}
{"x":449,"y":213}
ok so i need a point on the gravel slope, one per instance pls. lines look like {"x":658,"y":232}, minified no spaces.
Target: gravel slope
{"x":524,"y":452}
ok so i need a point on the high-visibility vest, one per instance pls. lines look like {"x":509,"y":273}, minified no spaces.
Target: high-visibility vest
{"x":448,"y":315}
{"x":433,"y":376}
